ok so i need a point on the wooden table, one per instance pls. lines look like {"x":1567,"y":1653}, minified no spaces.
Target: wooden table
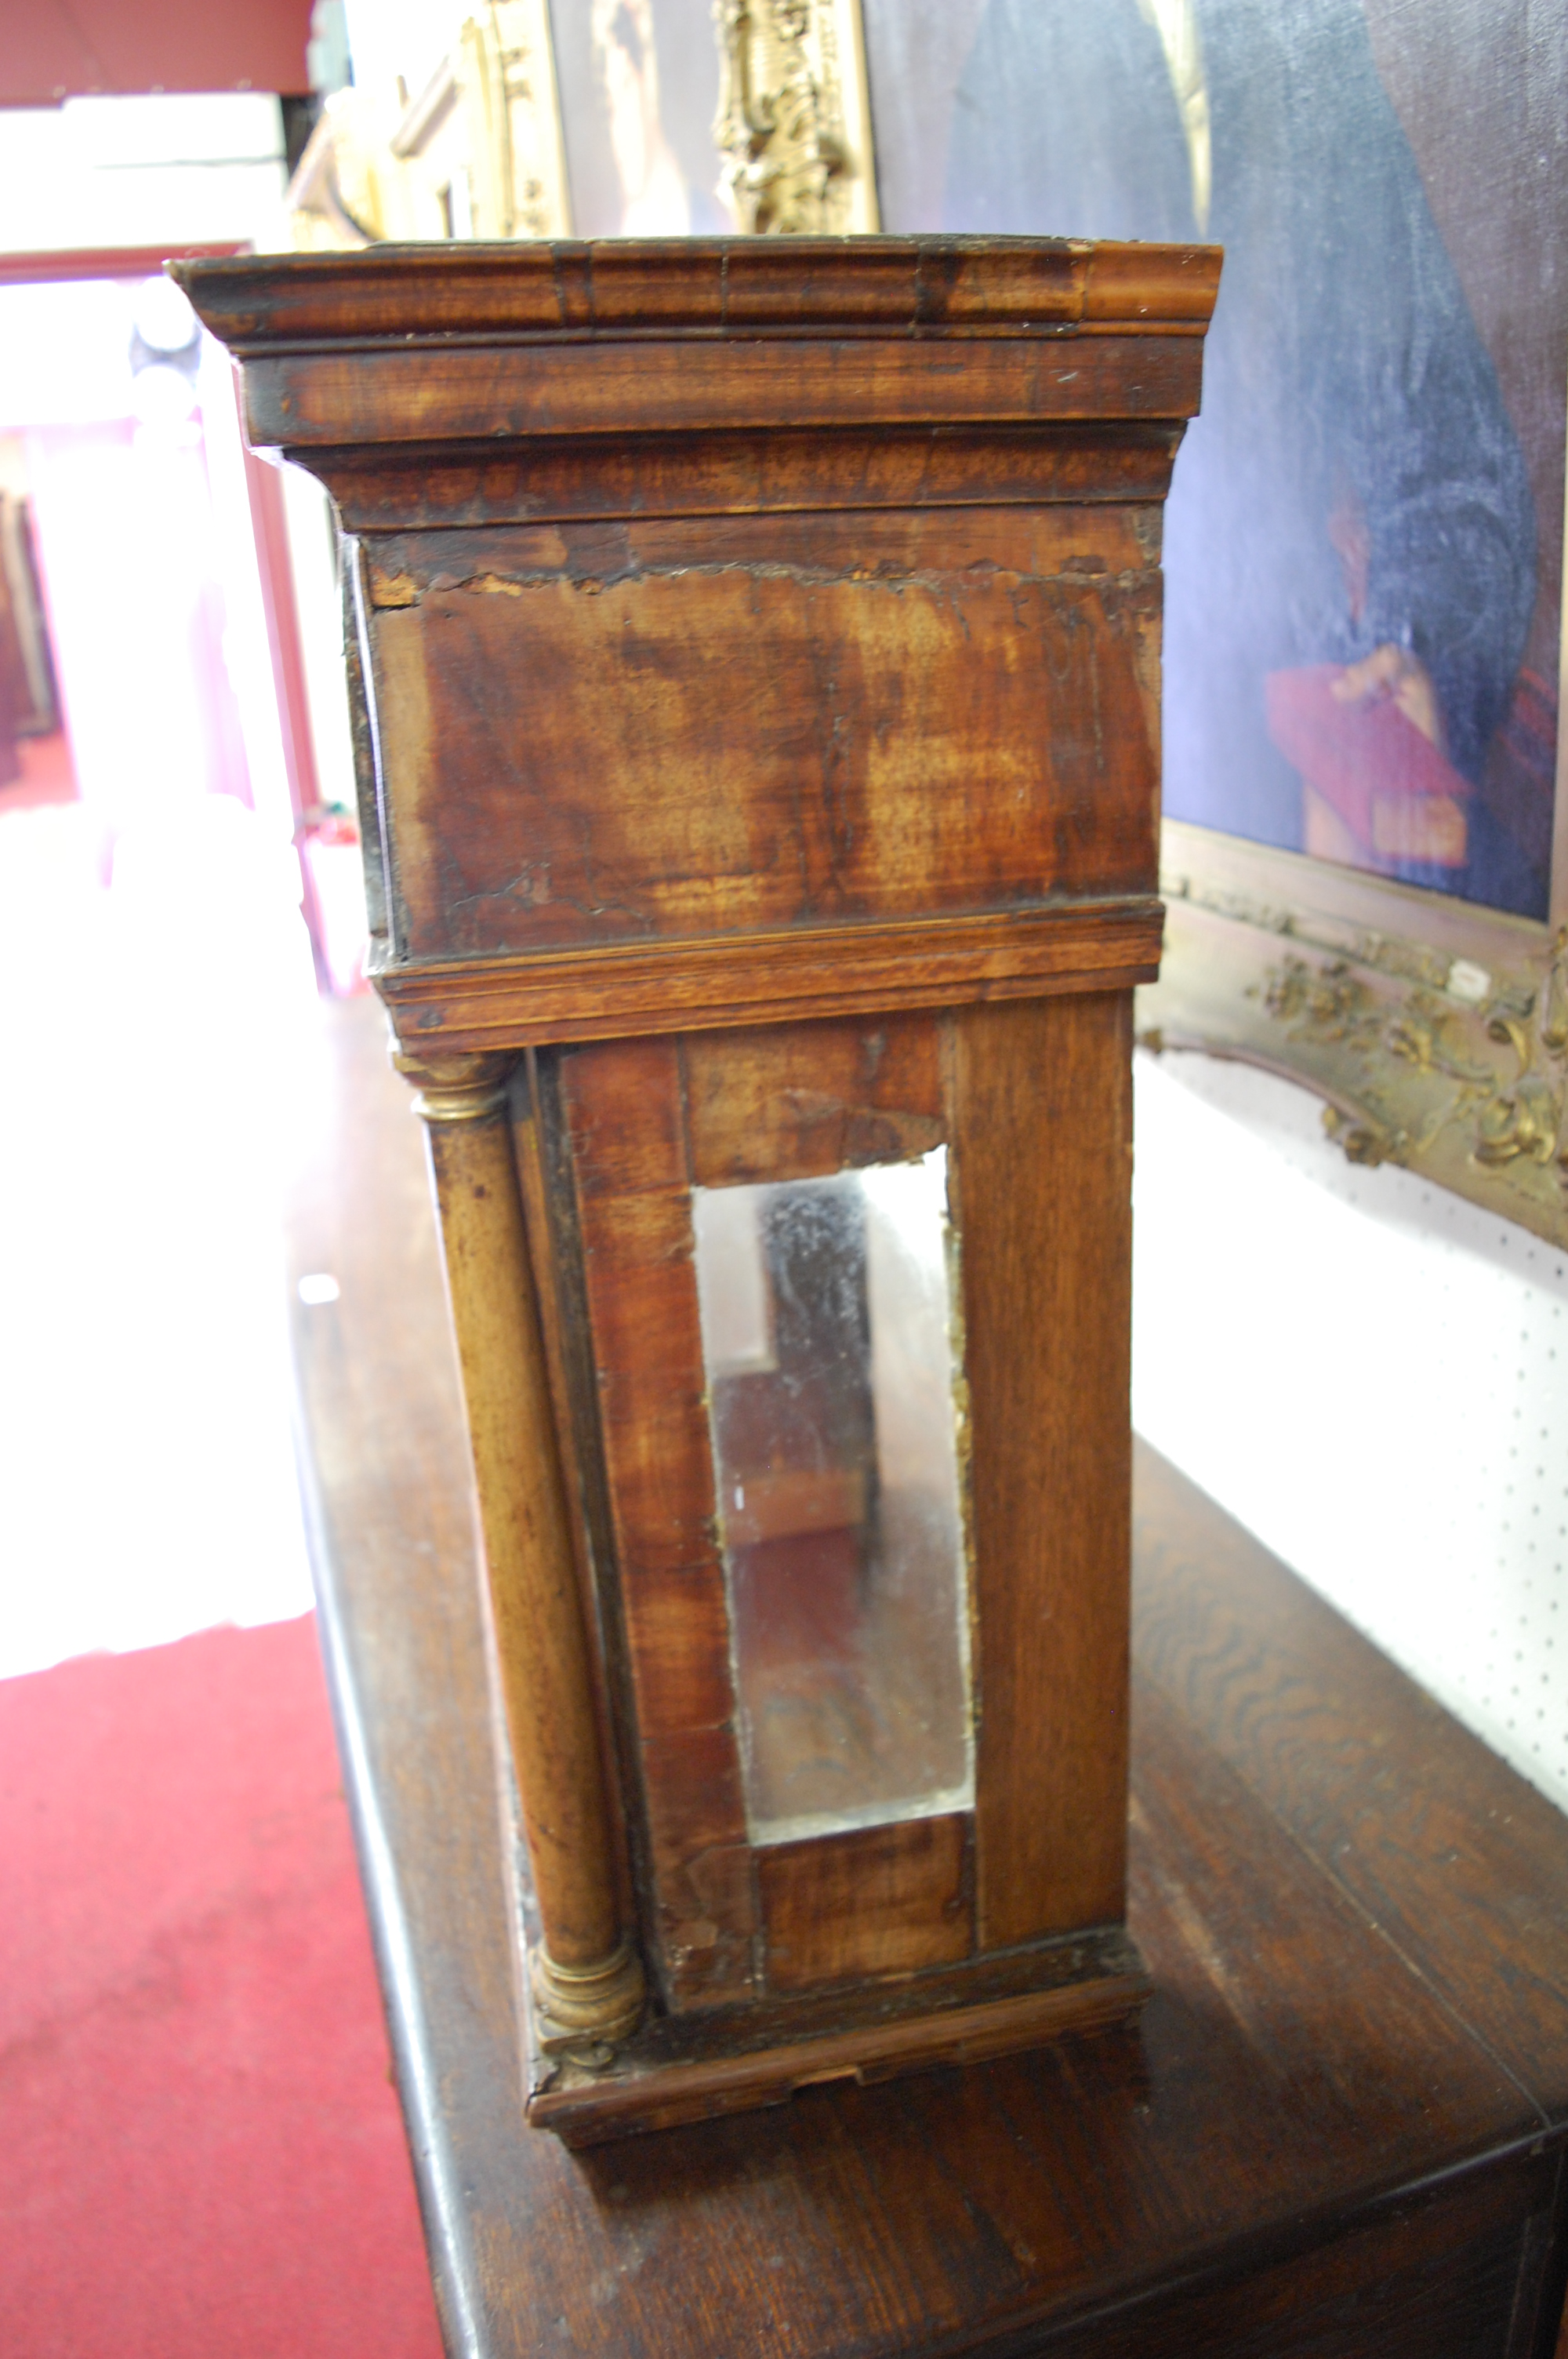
{"x":1339,"y":2128}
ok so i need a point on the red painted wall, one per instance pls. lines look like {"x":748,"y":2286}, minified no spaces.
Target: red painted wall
{"x":63,"y":49}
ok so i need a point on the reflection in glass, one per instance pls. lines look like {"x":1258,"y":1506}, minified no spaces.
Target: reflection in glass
{"x":826,"y":1328}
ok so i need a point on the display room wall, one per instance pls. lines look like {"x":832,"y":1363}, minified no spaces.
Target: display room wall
{"x":1372,"y":1376}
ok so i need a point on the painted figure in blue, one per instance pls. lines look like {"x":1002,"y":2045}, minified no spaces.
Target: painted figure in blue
{"x":1353,"y":492}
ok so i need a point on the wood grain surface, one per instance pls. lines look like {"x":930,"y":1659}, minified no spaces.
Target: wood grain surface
{"x":733,"y":726}
{"x":441,"y":395}
{"x":534,"y":1590}
{"x":1337,"y":2128}
{"x":786,"y":615}
{"x":1044,"y":1174}
{"x":626,"y":1139}
{"x":559,"y":479}
{"x":626,"y":990}
{"x":881,"y":1900}
{"x":747,"y":287}
{"x":798,"y":1101}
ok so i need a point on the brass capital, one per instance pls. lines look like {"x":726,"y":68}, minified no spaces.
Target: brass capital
{"x":582,"y":2012}
{"x":455,"y":1088}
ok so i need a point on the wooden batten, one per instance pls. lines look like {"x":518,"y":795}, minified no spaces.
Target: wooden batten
{"x":620,"y":991}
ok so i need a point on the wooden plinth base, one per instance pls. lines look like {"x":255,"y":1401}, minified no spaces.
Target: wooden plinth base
{"x":685,"y":2069}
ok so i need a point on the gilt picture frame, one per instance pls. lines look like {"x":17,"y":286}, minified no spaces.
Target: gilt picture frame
{"x":683,"y":118}
{"x":1434,"y":1030}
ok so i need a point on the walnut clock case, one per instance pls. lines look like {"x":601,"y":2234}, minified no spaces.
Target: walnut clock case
{"x":755,"y":649}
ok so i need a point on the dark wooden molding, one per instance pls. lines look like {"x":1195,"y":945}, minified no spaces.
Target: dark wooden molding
{"x":607,"y":993}
{"x":735,"y":287}
{"x":553,"y":479}
{"x":1104,"y":1986}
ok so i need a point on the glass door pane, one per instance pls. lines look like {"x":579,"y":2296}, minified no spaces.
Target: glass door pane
{"x":837,"y":1425}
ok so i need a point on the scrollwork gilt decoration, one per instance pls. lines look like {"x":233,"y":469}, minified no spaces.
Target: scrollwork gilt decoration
{"x":792,"y":123}
{"x":1504,"y":1108}
{"x":1453,"y":1065}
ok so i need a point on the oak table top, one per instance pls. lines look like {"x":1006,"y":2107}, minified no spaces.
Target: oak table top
{"x":1338,"y":2127}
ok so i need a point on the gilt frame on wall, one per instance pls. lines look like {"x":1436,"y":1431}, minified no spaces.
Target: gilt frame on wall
{"x":1435,"y":1030}
{"x":681,"y":117}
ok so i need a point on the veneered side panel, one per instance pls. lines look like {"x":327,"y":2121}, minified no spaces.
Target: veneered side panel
{"x":946,"y":713}
{"x":1043,"y":1171}
{"x":882,"y":1900}
{"x":794,"y":1101}
{"x":624,"y":1118}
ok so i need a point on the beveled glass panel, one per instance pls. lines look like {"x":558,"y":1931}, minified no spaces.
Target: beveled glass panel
{"x":828,"y":1349}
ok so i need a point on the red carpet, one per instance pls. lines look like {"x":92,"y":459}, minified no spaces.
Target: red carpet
{"x":201,"y":2151}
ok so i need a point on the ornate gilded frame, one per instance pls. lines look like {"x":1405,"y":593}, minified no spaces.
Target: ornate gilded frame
{"x":1437,"y":1030}
{"x":795,"y":119}
{"x":793,"y":129}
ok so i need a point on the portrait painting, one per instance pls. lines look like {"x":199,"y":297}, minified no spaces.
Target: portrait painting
{"x":1364,"y":542}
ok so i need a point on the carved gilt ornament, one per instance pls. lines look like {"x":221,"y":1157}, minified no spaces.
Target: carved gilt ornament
{"x":1439,"y":1040}
{"x":794,"y":121}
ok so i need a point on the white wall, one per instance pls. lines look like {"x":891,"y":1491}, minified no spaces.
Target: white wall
{"x":164,"y":169}
{"x":1372,"y":1376}
{"x":313,"y":557}
{"x":160,"y":1031}
{"x":406,"y":38}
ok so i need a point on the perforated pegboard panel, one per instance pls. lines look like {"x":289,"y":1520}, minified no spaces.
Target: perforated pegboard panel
{"x":1372,"y":1376}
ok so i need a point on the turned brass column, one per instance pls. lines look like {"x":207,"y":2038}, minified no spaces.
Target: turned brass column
{"x":587,"y":1980}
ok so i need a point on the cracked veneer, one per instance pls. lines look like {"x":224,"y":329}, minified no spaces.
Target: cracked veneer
{"x":394,"y":592}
